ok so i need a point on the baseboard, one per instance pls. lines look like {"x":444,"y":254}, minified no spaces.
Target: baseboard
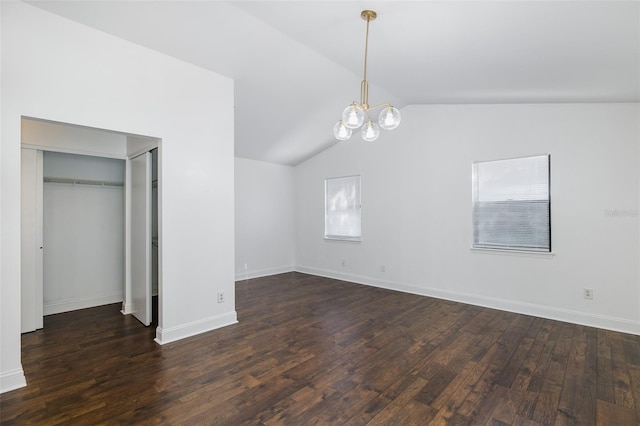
{"x":171,"y":334}
{"x":81,"y":303}
{"x":127,"y":308}
{"x":12,"y":380}
{"x":576,"y":317}
{"x":241,"y":276}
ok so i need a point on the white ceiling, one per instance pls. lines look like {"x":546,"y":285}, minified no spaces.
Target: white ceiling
{"x":297,"y":64}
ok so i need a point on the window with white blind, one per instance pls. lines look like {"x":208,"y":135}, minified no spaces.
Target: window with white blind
{"x":342,"y":208}
{"x":511,"y":204}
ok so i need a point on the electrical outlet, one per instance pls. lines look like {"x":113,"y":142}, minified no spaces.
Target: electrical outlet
{"x":246,"y":267}
{"x":344,"y":262}
{"x":383,"y":268}
{"x":220,"y":297}
{"x":587,"y":293}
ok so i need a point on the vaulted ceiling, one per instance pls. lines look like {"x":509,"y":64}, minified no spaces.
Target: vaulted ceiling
{"x":297,"y":64}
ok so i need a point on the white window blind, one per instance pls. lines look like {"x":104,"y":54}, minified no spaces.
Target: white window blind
{"x":511,"y":204}
{"x":342,"y":208}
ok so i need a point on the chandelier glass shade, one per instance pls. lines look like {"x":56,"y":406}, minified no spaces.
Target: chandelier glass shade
{"x":358,"y":114}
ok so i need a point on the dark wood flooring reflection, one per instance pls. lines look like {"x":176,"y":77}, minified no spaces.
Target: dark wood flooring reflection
{"x":312,"y":350}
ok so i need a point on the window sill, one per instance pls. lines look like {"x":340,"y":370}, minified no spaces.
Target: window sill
{"x":518,"y":253}
{"x":343,"y":240}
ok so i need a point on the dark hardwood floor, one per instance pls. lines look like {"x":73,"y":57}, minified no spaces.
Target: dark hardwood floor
{"x":311,"y":350}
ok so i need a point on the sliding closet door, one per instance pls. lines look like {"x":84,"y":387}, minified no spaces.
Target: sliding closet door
{"x":31,"y":236}
{"x":141,"y":237}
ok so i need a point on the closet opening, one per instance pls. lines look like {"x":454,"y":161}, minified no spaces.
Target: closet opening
{"x":78,"y":203}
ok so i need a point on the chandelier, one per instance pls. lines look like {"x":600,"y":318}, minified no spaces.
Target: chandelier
{"x":358,"y":114}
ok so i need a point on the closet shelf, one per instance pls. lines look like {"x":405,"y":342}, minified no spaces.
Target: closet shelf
{"x":81,"y":181}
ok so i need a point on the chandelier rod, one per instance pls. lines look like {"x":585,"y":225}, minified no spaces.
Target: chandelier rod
{"x":366,"y":49}
{"x":368,"y":15}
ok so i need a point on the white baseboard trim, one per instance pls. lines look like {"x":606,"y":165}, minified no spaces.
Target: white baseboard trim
{"x":171,"y":334}
{"x":12,"y":380}
{"x":576,"y":317}
{"x":59,"y":306}
{"x":241,"y":276}
{"x":127,"y":308}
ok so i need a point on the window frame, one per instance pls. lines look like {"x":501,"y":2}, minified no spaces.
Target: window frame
{"x":337,"y":237}
{"x":504,"y":248}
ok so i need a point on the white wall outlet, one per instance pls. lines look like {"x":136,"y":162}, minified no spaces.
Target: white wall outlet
{"x":344,"y":262}
{"x":220,"y":297}
{"x":587,"y":293}
{"x":246,"y":267}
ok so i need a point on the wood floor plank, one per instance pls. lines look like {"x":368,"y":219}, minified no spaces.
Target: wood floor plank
{"x":621,"y":380}
{"x":634,"y":374}
{"x":577,"y":400}
{"x":490,"y":404}
{"x":451,"y":405}
{"x":507,"y":406}
{"x":304,"y":400}
{"x":391,"y":411}
{"x":318,"y":351}
{"x":611,"y":414}
{"x":605,"y":390}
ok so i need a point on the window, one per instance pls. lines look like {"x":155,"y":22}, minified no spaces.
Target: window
{"x":342,"y":208}
{"x":511,"y":204}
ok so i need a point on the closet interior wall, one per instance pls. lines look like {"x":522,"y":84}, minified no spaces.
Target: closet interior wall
{"x":83,"y":212}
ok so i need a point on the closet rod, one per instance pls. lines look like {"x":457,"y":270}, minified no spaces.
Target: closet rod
{"x":81,"y":181}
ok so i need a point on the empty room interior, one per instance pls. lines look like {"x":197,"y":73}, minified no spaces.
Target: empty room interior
{"x":320,"y":212}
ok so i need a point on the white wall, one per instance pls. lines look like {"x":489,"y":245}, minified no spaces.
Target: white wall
{"x":416,"y":214}
{"x":58,"y":70}
{"x":83,"y":233}
{"x":264,"y":226}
